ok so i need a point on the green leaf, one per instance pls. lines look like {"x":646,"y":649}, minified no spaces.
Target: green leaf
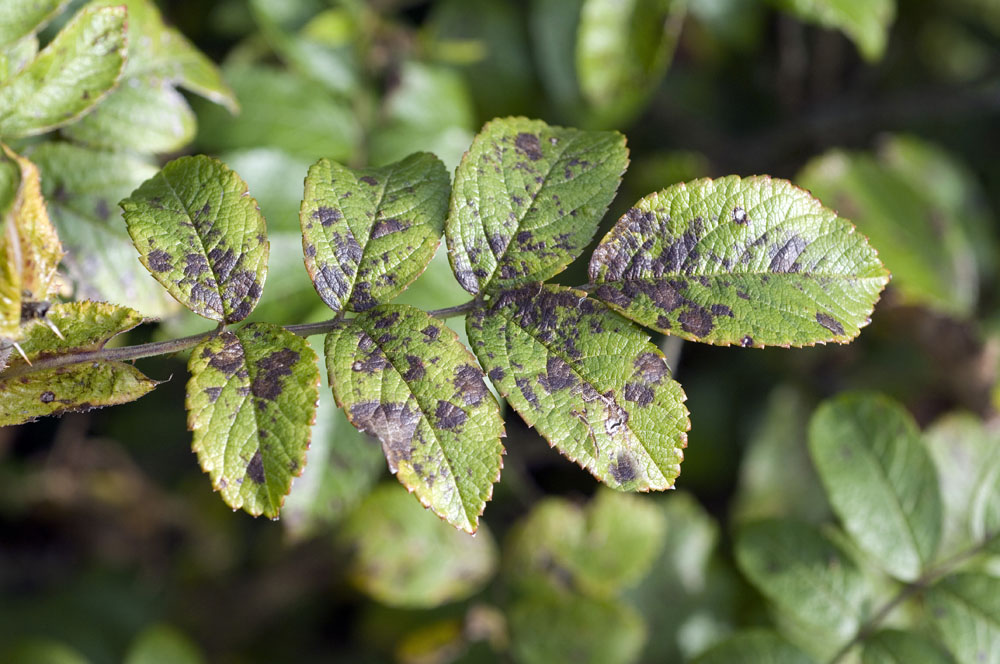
{"x":527,"y":199}
{"x":84,"y":326}
{"x":202,"y":236}
{"x":72,"y":74}
{"x":590,"y":382}
{"x":282,"y":110}
{"x":403,"y":376}
{"x":41,"y":651}
{"x":918,"y":232}
{"x":368,"y":234}
{"x":754,"y":646}
{"x":161,"y":644}
{"x":81,"y":186}
{"x":747,"y":261}
{"x":879,"y":479}
{"x":403,"y":556}
{"x":892,"y":646}
{"x":15,"y":56}
{"x":553,"y":26}
{"x":622,"y":52}
{"x":866,"y":22}
{"x":967,"y":457}
{"x":251,"y":401}
{"x":551,"y":627}
{"x":343,"y":466}
{"x":965,"y":608}
{"x":143,"y":115}
{"x":805,"y":575}
{"x":19,"y":18}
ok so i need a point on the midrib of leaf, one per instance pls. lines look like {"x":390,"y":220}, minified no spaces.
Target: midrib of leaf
{"x":201,"y":243}
{"x":423,"y":411}
{"x":569,"y":362}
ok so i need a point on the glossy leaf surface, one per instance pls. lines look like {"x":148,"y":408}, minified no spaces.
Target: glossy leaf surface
{"x":368,"y":234}
{"x":403,"y":376}
{"x":527,"y":199}
{"x":587,"y":380}
{"x":251,"y":402}
{"x":202,"y":236}
{"x":746,"y":261}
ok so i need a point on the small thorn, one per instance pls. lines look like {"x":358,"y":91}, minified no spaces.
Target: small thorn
{"x":20,"y":351}
{"x":55,"y":330}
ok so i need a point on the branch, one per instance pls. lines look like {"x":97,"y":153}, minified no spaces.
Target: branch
{"x":126,"y":353}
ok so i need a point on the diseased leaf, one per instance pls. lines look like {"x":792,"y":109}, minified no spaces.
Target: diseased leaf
{"x":81,"y":187}
{"x":746,"y":261}
{"x":77,"y":387}
{"x":554,"y":627}
{"x":10,"y":251}
{"x":15,"y":56}
{"x":866,"y":22}
{"x":893,"y":646}
{"x":879,"y":479}
{"x":72,"y":74}
{"x":202,"y":236}
{"x":403,"y":376}
{"x":622,"y":52}
{"x":368,"y":234}
{"x":805,"y":575}
{"x":590,"y":382}
{"x":965,"y":608}
{"x":754,"y":646}
{"x":251,"y":402}
{"x":527,"y":199}
{"x":406,"y":557}
{"x":921,"y":231}
{"x":19,"y":18}
{"x":84,"y":326}
{"x":967,"y":457}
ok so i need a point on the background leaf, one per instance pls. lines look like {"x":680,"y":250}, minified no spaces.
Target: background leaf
{"x":368,"y":234}
{"x":162,"y":644}
{"x":587,"y":380}
{"x":879,"y":479}
{"x":251,"y":401}
{"x":19,"y":18}
{"x":891,"y":646}
{"x":754,"y":646}
{"x":72,"y":74}
{"x":805,"y":575}
{"x":202,"y":236}
{"x":866,"y":22}
{"x":404,"y":556}
{"x":527,"y":199}
{"x":747,"y":261}
{"x":965,"y":608}
{"x":403,"y":376}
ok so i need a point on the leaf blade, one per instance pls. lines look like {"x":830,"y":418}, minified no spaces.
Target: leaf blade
{"x":746,"y":261}
{"x":403,"y":376}
{"x":251,"y":402}
{"x":554,"y":354}
{"x":965,"y":609}
{"x":527,"y":199}
{"x":198,"y":211}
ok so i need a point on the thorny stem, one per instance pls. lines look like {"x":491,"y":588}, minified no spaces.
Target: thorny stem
{"x":908,"y":590}
{"x":125,"y":353}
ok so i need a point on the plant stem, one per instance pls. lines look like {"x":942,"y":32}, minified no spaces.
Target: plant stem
{"x":908,"y":590}
{"x":126,"y":353}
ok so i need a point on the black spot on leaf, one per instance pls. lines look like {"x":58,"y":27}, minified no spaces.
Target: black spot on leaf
{"x":638,"y":393}
{"x":496,"y":374}
{"x":696,"y":320}
{"x":528,"y":145}
{"x":740,"y":215}
{"x":213,"y":393}
{"x":369,"y":180}
{"x":416,"y":370}
{"x":469,"y":384}
{"x":48,"y":397}
{"x":270,"y":370}
{"x":228,"y":359}
{"x":159,"y":261}
{"x":623,"y":469}
{"x":327,"y":215}
{"x":255,"y":469}
{"x":431,"y":332}
{"x":449,"y":416}
{"x":386,"y":226}
{"x":392,"y":423}
{"x":830,"y":323}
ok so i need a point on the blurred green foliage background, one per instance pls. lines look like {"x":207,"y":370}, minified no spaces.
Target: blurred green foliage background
{"x":113,"y":547}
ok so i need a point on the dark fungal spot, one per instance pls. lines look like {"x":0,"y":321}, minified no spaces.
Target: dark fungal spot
{"x":784,"y":257}
{"x":255,"y":469}
{"x":528,"y":145}
{"x":743,"y":296}
{"x":416,"y":370}
{"x":431,"y":332}
{"x":327,"y":215}
{"x":529,"y":394}
{"x":740,"y":215}
{"x":228,"y":359}
{"x":696,"y":320}
{"x":721,"y":310}
{"x":159,"y":261}
{"x":449,"y":416}
{"x":469,"y":384}
{"x":830,"y":323}
{"x":195,"y":265}
{"x":746,"y":341}
{"x":241,"y":294}
{"x":392,"y":423}
{"x":331,"y":284}
{"x":222,"y":262}
{"x":558,"y":375}
{"x":638,"y":393}
{"x":369,"y":180}
{"x":376,"y":361}
{"x":213,"y":393}
{"x":497,"y":374}
{"x":310,"y":250}
{"x":348,"y":251}
{"x":270,"y":370}
{"x":47,"y":397}
{"x":384,"y":227}
{"x":623,"y":469}
{"x":387,"y":320}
